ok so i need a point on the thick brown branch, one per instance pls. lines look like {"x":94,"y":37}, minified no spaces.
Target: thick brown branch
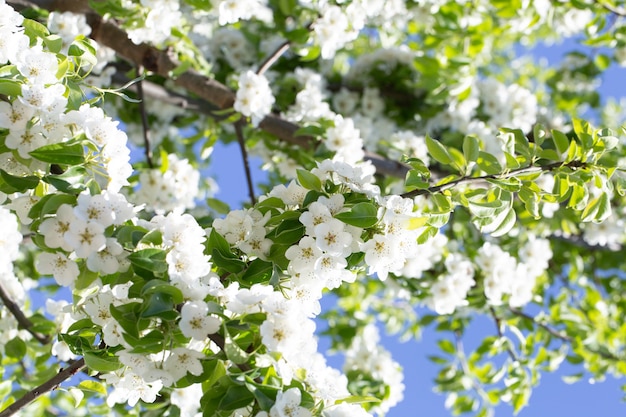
{"x":21,"y":318}
{"x":162,"y":63}
{"x":47,"y":386}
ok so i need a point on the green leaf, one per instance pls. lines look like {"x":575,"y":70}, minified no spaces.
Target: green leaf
{"x":361,"y":215}
{"x":236,"y":396}
{"x":218,"y":205}
{"x":484,"y":209}
{"x":446,"y":346}
{"x":427,"y":234}
{"x":561,"y":141}
{"x":258,"y":271}
{"x":34,"y":29}
{"x":598,"y":209}
{"x":505,"y":224}
{"x":163,"y":287}
{"x":151,"y":259}
{"x":11,"y":184}
{"x":359,"y":399}
{"x":10,"y":88}
{"x":308,"y":180}
{"x":54,"y":43}
{"x":15,"y":348}
{"x":60,"y":153}
{"x":415,"y":180}
{"x":49,"y":204}
{"x":438,"y":151}
{"x":101,"y":361}
{"x":471,"y":147}
{"x":159,"y":304}
{"x":488,"y":163}
{"x":92,"y":386}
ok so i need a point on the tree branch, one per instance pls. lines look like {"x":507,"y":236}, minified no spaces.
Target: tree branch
{"x":244,"y":157}
{"x":544,"y":326}
{"x":500,"y":334}
{"x":162,"y":63}
{"x":513,"y":173}
{"x":613,"y":9}
{"x":21,"y":318}
{"x":49,"y":385}
{"x":270,"y":60}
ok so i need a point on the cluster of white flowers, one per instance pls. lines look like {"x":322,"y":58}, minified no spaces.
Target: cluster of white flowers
{"x":508,"y":105}
{"x":68,"y":26}
{"x":229,"y":44}
{"x":160,"y":17}
{"x":310,"y":105}
{"x":80,"y":230}
{"x":143,"y":376}
{"x":505,"y":275}
{"x":450,"y":290}
{"x":345,"y":140}
{"x":9,"y":251}
{"x":245,"y":230}
{"x":173,"y":190}
{"x":254,"y":97}
{"x":383,"y":59}
{"x":232,"y":11}
{"x":368,"y":356}
{"x":189,"y":268}
{"x":609,"y":233}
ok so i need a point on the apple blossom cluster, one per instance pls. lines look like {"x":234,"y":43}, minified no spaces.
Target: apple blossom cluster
{"x":80,"y":230}
{"x":504,"y":275}
{"x":9,"y":252}
{"x":367,"y":356}
{"x":491,"y":105}
{"x":254,"y":97}
{"x":68,"y":26}
{"x":159,"y":18}
{"x":450,"y":290}
{"x":173,"y":190}
{"x":232,"y":11}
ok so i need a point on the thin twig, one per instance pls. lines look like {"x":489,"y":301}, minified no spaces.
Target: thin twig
{"x":21,"y":318}
{"x":615,"y":10}
{"x":545,"y":327}
{"x":270,"y":60}
{"x":512,"y":173}
{"x":246,"y":163}
{"x":500,"y":334}
{"x":144,"y":119}
{"x":47,"y":386}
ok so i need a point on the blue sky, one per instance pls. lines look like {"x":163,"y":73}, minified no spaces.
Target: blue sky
{"x":552,"y":397}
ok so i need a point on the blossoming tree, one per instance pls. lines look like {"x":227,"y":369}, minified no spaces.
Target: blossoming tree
{"x":417,"y":169}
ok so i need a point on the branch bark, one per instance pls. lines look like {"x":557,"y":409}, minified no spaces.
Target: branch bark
{"x":47,"y":386}
{"x":21,"y":317}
